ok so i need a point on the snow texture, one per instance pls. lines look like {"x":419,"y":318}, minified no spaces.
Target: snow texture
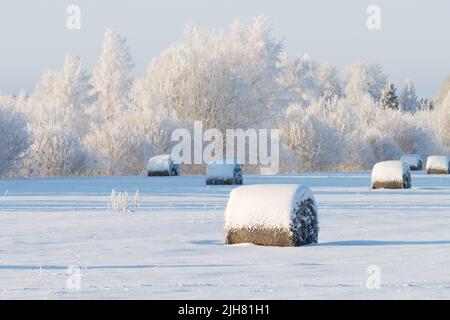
{"x":224,"y":172}
{"x":391,"y":172}
{"x":163,"y":164}
{"x":415,"y":161}
{"x":172,"y":247}
{"x":438,"y":163}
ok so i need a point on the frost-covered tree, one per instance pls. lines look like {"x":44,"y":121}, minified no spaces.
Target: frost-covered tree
{"x":226,"y":80}
{"x":14,"y":141}
{"x":43,"y":94}
{"x":17,"y":102}
{"x":68,"y":90}
{"x":305,"y":80}
{"x":316,"y":145}
{"x":299,"y":78}
{"x":72,"y":94}
{"x":56,"y":148}
{"x":444,"y":91}
{"x":389,"y":98}
{"x":116,"y":148}
{"x":328,"y":82}
{"x":408,"y":99}
{"x":363,"y":78}
{"x":112,"y":78}
{"x":443,"y":121}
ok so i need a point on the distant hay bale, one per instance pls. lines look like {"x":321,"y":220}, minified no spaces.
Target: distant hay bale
{"x":224,"y":173}
{"x":163,"y":165}
{"x":272,"y":215}
{"x":438,"y":165}
{"x":415,"y":161}
{"x":391,"y":175}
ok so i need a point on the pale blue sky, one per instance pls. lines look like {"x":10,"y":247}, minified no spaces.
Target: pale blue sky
{"x":413,"y":42}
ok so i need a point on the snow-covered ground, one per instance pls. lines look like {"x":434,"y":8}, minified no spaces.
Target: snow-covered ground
{"x":172,"y":247}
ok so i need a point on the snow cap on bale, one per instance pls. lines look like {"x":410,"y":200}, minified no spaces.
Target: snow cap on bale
{"x":391,"y":175}
{"x":272,"y":215}
{"x":227,"y":172}
{"x":163,"y":165}
{"x":438,"y":165}
{"x":415,"y":161}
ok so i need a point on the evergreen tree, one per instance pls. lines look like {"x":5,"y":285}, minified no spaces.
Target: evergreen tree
{"x":408,"y":98}
{"x":389,"y":98}
{"x":427,"y":104}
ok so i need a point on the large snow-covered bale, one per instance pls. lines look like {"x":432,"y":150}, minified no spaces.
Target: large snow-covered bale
{"x":163,"y":165}
{"x":224,"y":173}
{"x":272,"y":215}
{"x":415,"y":161}
{"x":391,"y":175}
{"x":438,"y":165}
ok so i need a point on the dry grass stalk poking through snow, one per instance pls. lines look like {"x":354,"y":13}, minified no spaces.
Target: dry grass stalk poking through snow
{"x":120,"y":203}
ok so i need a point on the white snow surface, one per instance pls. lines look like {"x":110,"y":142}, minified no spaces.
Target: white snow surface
{"x":412,"y":159}
{"x":160,"y":163}
{"x":437,"y":162}
{"x":173,"y":246}
{"x":220,"y":170}
{"x":389,"y":171}
{"x":268,"y":205}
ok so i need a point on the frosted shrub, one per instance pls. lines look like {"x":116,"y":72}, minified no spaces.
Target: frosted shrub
{"x":120,"y":203}
{"x":56,"y":148}
{"x":14,"y":139}
{"x":316,"y":145}
{"x":411,"y":133}
{"x":382,"y":147}
{"x":117,"y":149}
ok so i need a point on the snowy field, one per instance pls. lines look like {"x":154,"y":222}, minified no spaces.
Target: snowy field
{"x":172,"y":247}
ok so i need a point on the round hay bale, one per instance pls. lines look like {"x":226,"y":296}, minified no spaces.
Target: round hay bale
{"x":224,"y":173}
{"x":163,"y":165}
{"x":438,"y":165}
{"x":391,"y":175}
{"x":272,"y":215}
{"x":415,"y":161}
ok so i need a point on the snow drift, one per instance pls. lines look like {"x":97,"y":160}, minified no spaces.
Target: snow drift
{"x":415,"y":161}
{"x":163,"y":165}
{"x":272,"y":215}
{"x":438,"y":165}
{"x":391,"y":175}
{"x":224,"y":173}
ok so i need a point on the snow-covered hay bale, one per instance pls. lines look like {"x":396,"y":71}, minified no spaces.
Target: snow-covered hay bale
{"x":438,"y":165}
{"x":272,"y":215}
{"x":224,"y":173}
{"x":391,"y":175}
{"x":163,"y":165}
{"x":415,"y":161}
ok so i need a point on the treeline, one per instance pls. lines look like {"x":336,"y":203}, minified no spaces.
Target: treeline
{"x":106,"y":122}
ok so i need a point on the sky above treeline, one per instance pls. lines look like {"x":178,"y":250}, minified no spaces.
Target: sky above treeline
{"x":412,"y":42}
